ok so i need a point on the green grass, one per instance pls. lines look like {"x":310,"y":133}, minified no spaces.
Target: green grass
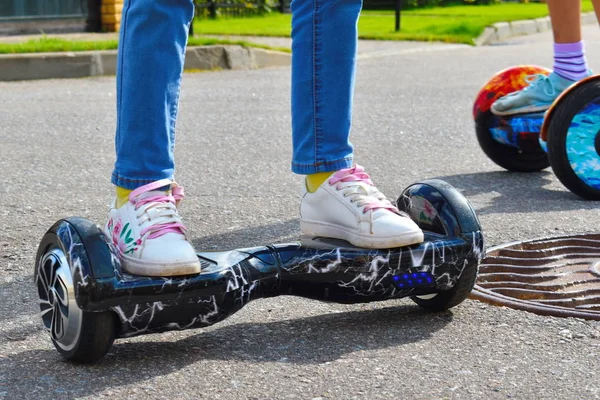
{"x":51,"y":44}
{"x":54,"y":44}
{"x":460,"y":24}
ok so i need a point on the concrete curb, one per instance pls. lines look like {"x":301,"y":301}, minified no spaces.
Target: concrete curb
{"x":15,"y":67}
{"x":504,"y":30}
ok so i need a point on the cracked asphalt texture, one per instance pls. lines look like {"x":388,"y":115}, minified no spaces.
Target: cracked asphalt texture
{"x":412,"y":121}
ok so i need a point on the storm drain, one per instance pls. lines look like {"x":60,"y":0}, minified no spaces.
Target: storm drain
{"x":554,"y":276}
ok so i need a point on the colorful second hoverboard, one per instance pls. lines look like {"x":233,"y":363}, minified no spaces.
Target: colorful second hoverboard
{"x":566,"y":137}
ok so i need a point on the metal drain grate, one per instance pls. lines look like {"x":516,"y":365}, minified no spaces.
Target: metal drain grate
{"x":554,"y":276}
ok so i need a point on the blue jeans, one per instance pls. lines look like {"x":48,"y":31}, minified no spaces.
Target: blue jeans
{"x":152,"y":46}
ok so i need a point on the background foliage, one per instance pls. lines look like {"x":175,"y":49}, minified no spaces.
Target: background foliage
{"x":239,"y":8}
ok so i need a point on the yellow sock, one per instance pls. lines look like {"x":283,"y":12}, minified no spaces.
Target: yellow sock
{"x":122,"y":196}
{"x":313,"y":181}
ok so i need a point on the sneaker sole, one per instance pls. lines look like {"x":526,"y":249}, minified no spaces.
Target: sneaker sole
{"x":368,"y":242}
{"x":524,"y":110}
{"x":145,"y":269}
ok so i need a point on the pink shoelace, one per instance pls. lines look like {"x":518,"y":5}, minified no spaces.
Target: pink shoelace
{"x":165,"y":205}
{"x":371,"y":198}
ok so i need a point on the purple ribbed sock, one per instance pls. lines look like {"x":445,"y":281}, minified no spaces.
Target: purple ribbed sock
{"x":569,"y":61}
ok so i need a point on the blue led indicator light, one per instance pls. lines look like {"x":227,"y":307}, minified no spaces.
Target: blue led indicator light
{"x":413,"y":279}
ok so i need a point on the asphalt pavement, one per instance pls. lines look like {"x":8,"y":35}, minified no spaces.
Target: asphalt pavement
{"x":412,"y":121}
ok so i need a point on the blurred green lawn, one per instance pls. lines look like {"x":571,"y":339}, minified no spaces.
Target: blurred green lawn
{"x":459,"y":24}
{"x":49,"y":44}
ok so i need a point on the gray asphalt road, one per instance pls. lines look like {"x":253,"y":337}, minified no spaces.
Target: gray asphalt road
{"x":412,"y":122}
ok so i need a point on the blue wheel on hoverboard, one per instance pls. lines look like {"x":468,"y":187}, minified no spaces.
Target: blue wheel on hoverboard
{"x":572,"y":134}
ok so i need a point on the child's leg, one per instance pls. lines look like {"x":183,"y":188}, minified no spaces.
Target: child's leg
{"x":144,"y":224}
{"x":152,"y":45}
{"x":596,"y":4}
{"x":324,"y":40}
{"x":569,"y":55}
{"x":566,"y":20}
{"x":570,"y":64}
{"x":345,"y":204}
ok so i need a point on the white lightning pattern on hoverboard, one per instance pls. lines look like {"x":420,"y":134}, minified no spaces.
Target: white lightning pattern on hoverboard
{"x":329,"y":267}
{"x":130,"y":320}
{"x":237,"y":283}
{"x":75,"y":264}
{"x":372,"y":274}
{"x":205,"y":318}
{"x":234,"y":284}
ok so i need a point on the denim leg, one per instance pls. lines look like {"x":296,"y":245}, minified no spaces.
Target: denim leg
{"x":324,"y":41}
{"x":150,"y":61}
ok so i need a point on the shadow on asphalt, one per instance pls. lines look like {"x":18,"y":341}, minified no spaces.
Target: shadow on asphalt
{"x":311,"y":340}
{"x":514,"y":192}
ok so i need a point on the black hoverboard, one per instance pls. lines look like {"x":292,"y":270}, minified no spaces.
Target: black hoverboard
{"x":87,"y":301}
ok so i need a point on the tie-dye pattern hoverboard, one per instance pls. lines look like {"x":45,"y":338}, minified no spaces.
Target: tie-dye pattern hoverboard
{"x":87,"y":301}
{"x":566,"y":137}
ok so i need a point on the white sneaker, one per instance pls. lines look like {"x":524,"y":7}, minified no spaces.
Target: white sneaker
{"x":348,"y":206}
{"x":148,"y":233}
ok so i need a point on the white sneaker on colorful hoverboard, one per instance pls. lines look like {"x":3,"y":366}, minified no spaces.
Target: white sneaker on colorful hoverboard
{"x":348,"y":206}
{"x":536,"y":97}
{"x":148,"y":233}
